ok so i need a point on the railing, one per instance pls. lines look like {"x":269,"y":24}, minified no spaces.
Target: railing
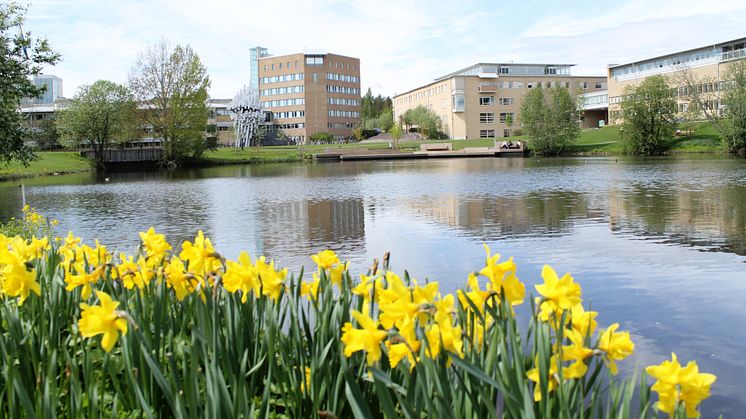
{"x":733,"y":55}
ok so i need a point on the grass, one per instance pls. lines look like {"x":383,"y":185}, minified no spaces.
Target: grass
{"x":703,"y":138}
{"x":47,"y":163}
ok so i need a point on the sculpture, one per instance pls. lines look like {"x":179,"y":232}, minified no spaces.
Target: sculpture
{"x":246,"y":113}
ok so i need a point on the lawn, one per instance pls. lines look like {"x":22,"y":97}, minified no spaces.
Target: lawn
{"x":46,"y":163}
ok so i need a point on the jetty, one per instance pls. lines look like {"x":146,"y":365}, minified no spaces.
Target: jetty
{"x":426,"y":151}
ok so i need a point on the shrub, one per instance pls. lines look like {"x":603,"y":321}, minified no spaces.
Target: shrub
{"x":322,"y":138}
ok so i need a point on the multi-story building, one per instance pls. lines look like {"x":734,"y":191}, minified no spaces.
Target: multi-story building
{"x":254,"y":55}
{"x":311,"y":92}
{"x":53,"y":88}
{"x":708,"y":64}
{"x":484,"y":100}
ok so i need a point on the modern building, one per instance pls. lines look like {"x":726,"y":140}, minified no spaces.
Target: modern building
{"x":311,"y":92}
{"x":708,"y":63}
{"x":53,"y":88}
{"x":254,"y":55}
{"x":484,"y":100}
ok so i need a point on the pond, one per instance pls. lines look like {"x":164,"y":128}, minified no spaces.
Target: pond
{"x":659,"y":245}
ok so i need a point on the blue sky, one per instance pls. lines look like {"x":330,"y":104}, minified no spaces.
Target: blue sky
{"x":401,"y":43}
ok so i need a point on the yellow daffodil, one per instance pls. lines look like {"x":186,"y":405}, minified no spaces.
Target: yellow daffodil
{"x":367,"y":339}
{"x":183,"y":283}
{"x":311,"y":289}
{"x":242,"y":276}
{"x":365,"y":287}
{"x":337,"y":272}
{"x":444,"y":337}
{"x":576,"y":352}
{"x":676,"y":384}
{"x":155,"y":244}
{"x":16,"y":279}
{"x":200,"y":255}
{"x":325,"y":259}
{"x":583,"y":321}
{"x":103,"y":319}
{"x":558,"y":293}
{"x":616,"y":345}
{"x":403,"y":345}
{"x":533,"y":375}
{"x":272,"y":279}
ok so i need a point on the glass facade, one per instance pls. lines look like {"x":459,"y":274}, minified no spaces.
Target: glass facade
{"x":254,"y":55}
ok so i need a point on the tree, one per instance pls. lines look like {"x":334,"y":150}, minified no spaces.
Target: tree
{"x":722,"y":103}
{"x":20,"y":58}
{"x":396,"y":134}
{"x":649,"y":112}
{"x":427,"y":121}
{"x":171,"y":86}
{"x":99,"y":116}
{"x":550,"y":119}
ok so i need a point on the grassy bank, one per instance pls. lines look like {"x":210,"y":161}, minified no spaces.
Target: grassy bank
{"x":702,"y":137}
{"x":47,"y":163}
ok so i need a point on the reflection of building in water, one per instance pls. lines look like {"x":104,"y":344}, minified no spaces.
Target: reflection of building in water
{"x":318,"y":224}
{"x":336,"y":221}
{"x":497,"y":216}
{"x":713,"y":217}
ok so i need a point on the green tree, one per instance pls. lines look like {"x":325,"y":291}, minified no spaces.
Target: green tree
{"x":20,"y":58}
{"x":734,"y":102}
{"x":171,"y":86}
{"x":550,"y":119}
{"x":396,"y":134}
{"x":428,"y":122}
{"x":99,"y":116}
{"x":649,"y":112}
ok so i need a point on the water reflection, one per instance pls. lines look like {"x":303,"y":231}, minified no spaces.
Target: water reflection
{"x":658,"y":244}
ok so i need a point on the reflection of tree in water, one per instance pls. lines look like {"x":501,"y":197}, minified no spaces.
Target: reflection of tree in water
{"x":713,"y":217}
{"x":496,"y":217}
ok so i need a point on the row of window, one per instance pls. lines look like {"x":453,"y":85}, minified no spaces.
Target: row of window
{"x":291,"y":114}
{"x":489,"y":117}
{"x":343,"y":101}
{"x":342,"y":77}
{"x":281,"y":78}
{"x":490,"y":100}
{"x":283,"y":102}
{"x":272,"y":66}
{"x":283,"y":90}
{"x":343,"y":114}
{"x":683,"y":91}
{"x":340,"y":125}
{"x":490,"y":133}
{"x":342,"y":89}
{"x":290,"y":126}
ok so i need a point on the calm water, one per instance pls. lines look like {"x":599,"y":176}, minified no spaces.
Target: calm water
{"x":658,"y":245}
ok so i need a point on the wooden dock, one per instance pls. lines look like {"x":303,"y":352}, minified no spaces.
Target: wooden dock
{"x":424,"y":153}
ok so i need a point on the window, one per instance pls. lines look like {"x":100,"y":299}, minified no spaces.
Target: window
{"x":314,"y":60}
{"x":273,"y":66}
{"x":265,"y":67}
{"x":550,"y":70}
{"x":585,"y":85}
{"x":486,"y":118}
{"x":486,"y":100}
{"x":458,"y":103}
{"x":504,"y":70}
{"x":505,"y":101}
{"x":504,"y":117}
{"x":506,"y":133}
{"x":486,"y":133}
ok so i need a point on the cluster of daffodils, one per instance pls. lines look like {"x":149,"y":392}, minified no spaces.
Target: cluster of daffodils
{"x":404,"y":320}
{"x":678,"y":385}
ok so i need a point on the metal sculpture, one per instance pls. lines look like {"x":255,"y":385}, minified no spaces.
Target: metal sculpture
{"x":246,"y":113}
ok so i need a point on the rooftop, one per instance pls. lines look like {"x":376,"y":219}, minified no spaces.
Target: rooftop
{"x":673,"y":54}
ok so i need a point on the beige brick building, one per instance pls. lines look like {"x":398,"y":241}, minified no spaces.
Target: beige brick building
{"x":707,"y":64}
{"x":311,"y":92}
{"x":480,"y":100}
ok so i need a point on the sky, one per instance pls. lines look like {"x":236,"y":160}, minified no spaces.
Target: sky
{"x":401,"y":44}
